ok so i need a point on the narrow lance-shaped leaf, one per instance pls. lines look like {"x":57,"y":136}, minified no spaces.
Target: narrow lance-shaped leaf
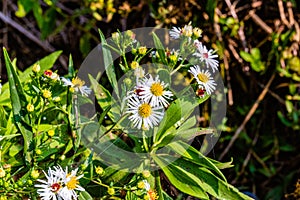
{"x":18,"y":100}
{"x":108,"y":63}
{"x":160,"y":48}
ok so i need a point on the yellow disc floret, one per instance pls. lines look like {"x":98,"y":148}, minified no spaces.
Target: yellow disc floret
{"x":203,"y":78}
{"x":157,"y":89}
{"x":145,"y":110}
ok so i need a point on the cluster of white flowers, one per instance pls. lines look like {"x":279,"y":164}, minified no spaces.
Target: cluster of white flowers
{"x":146,"y":103}
{"x":207,"y":58}
{"x":60,"y":185}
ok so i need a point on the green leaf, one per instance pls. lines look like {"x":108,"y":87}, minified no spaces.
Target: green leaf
{"x":71,"y":70}
{"x":108,"y":63}
{"x":84,"y":195}
{"x":191,"y":178}
{"x":289,"y":106}
{"x":21,"y":10}
{"x":48,"y":23}
{"x":255,"y":52}
{"x":160,"y":49}
{"x":247,"y":56}
{"x":18,"y":101}
{"x":181,"y":180}
{"x":105,"y":100}
{"x":84,"y":45}
{"x":103,"y":96}
{"x":38,"y":14}
{"x":190,"y":153}
{"x":179,"y":110}
{"x":210,"y":8}
{"x":25,"y":5}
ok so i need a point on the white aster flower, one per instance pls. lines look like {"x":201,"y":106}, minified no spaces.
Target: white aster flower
{"x":77,"y":85}
{"x":154,"y":91}
{"x":146,"y":185}
{"x":203,"y":78}
{"x":51,"y":188}
{"x":0,"y":88}
{"x":143,"y":115}
{"x":175,"y":33}
{"x":71,"y":182}
{"x":187,"y":30}
{"x":207,"y":56}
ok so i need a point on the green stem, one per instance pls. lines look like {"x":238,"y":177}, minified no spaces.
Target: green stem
{"x":145,"y":142}
{"x":158,"y":184}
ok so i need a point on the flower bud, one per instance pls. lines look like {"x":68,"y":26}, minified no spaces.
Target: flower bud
{"x":30,"y":107}
{"x":36,"y":68}
{"x":134,"y":65}
{"x":111,"y":191}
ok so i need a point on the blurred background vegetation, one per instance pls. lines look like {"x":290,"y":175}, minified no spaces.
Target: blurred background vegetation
{"x":258,"y":46}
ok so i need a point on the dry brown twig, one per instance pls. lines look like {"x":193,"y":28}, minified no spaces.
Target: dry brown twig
{"x":43,"y":44}
{"x":248,"y":117}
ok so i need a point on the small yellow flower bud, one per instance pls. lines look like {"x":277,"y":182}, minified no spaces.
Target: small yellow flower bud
{"x":111,"y":191}
{"x":47,"y":93}
{"x":134,"y":65}
{"x":141,"y":184}
{"x":2,"y":172}
{"x":30,"y":107}
{"x":62,"y":157}
{"x":142,"y":50}
{"x":130,"y":34}
{"x":197,"y":32}
{"x":146,"y":173}
{"x":51,"y":133}
{"x":173,"y":58}
{"x":36,"y":68}
{"x":99,"y":170}
{"x":115,"y":36}
{"x":133,"y":51}
{"x":38,"y":152}
{"x":35,"y":174}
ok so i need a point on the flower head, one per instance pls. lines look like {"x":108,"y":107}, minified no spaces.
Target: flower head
{"x":134,"y":65}
{"x":207,"y":56}
{"x":203,"y":78}
{"x":185,"y":32}
{"x":71,"y":184}
{"x":142,"y":50}
{"x":77,"y":85}
{"x":59,"y":185}
{"x":46,"y":93}
{"x":151,"y":195}
{"x":143,"y":185}
{"x":50,"y":74}
{"x":30,"y":107}
{"x":175,"y":33}
{"x":143,"y":115}
{"x":35,"y":174}
{"x":36,"y":68}
{"x":154,"y":91}
{"x":50,"y":189}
